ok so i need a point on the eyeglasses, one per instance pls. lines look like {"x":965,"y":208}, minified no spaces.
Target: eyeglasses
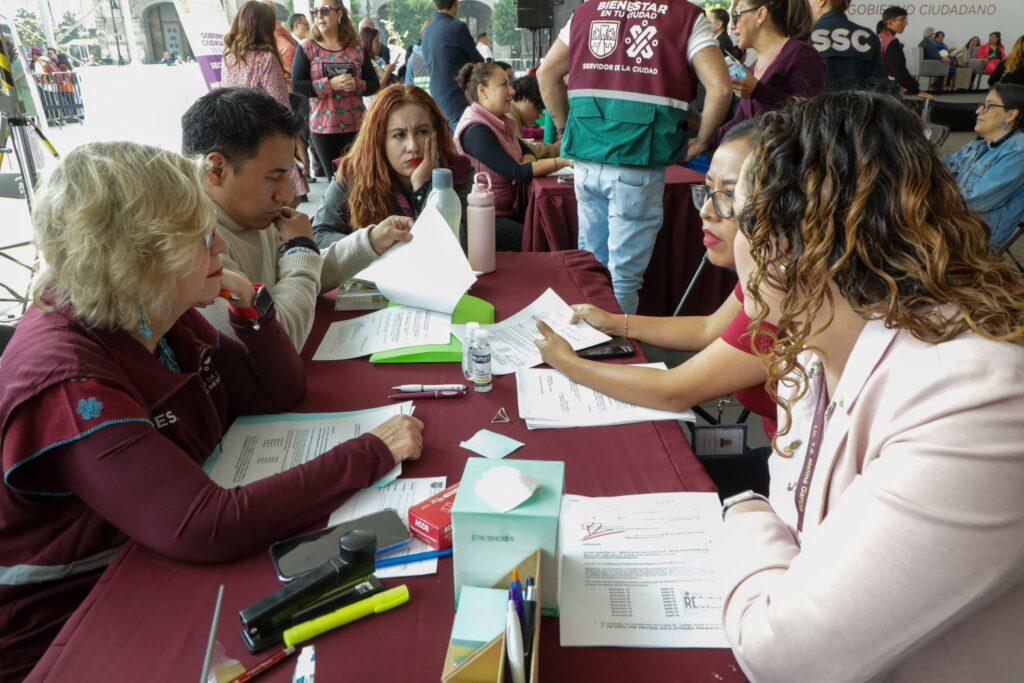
{"x":740,"y":12}
{"x":986,"y":105}
{"x":721,"y":200}
{"x":324,"y":11}
{"x":208,"y":237}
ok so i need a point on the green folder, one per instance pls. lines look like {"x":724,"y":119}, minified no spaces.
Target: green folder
{"x":470,"y":309}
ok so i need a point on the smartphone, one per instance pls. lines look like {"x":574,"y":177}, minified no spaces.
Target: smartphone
{"x":614,"y":348}
{"x":294,"y":557}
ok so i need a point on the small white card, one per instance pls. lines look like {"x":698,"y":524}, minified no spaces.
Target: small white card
{"x":491,"y":444}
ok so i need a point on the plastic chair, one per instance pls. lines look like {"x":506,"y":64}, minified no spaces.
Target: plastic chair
{"x":931,"y":68}
{"x":936,"y":132}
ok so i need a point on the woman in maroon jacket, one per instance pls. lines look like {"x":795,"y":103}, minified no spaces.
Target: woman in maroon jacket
{"x":115,"y":390}
{"x":786,"y":65}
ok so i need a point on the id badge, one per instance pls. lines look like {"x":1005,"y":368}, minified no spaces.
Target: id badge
{"x":720,"y":440}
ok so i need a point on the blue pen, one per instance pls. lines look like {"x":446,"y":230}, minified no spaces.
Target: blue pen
{"x":515,"y":593}
{"x":415,"y":557}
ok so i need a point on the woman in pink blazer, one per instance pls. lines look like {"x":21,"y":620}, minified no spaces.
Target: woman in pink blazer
{"x":892,"y":545}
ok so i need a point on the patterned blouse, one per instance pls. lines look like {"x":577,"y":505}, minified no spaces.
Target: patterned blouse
{"x":332,"y":111}
{"x":260,"y":70}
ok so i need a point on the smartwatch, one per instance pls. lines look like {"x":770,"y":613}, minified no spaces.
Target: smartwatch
{"x":261,"y":303}
{"x":741,"y":498}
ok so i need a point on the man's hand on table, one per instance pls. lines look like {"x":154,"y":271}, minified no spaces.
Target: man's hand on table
{"x":403,"y":435}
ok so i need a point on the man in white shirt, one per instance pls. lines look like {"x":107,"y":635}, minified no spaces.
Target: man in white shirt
{"x":248,"y":141}
{"x":483,"y":46}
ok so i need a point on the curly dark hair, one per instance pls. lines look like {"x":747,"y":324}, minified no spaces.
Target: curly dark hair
{"x":845,"y":189}
{"x":527,"y":88}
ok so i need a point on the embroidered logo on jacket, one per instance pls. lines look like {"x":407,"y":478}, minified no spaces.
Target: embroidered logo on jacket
{"x":604,"y":37}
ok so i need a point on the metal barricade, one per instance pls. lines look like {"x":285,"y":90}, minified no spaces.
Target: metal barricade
{"x":61,"y":94}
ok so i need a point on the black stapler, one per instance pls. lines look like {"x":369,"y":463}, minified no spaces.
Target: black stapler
{"x":340,"y":581}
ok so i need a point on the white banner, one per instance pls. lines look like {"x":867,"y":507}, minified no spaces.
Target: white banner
{"x":958,"y":20}
{"x":205,"y":24}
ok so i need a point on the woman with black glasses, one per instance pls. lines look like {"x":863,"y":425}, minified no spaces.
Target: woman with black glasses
{"x":725,"y":363}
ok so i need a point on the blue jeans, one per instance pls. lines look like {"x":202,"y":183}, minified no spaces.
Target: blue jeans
{"x":620,"y":213}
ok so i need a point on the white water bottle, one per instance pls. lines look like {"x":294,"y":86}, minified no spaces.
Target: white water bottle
{"x":480,"y":225}
{"x":444,"y":197}
{"x":467,"y":348}
{"x":481,"y":352}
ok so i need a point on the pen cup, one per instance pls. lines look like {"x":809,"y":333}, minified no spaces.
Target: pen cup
{"x":488,"y":662}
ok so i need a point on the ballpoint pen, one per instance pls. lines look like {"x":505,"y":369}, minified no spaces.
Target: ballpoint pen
{"x":413,"y":557}
{"x":427,"y":394}
{"x":267,"y":663}
{"x":429,"y":387}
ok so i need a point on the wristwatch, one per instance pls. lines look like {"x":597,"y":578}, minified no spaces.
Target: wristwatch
{"x":261,"y":303}
{"x":741,"y":498}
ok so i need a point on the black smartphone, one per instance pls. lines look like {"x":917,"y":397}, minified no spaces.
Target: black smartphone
{"x":613,"y":348}
{"x":294,"y":557}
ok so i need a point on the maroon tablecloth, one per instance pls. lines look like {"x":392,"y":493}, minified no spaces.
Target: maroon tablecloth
{"x":148,"y":617}
{"x":552,"y":224}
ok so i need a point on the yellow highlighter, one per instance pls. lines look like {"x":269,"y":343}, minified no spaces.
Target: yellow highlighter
{"x":381,"y":602}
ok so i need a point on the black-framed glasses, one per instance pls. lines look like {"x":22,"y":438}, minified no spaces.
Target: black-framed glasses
{"x":721,"y":200}
{"x":740,"y":12}
{"x":986,"y":105}
{"x":324,"y":11}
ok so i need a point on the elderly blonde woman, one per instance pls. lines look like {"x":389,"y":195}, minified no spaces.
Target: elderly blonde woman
{"x":114,"y":390}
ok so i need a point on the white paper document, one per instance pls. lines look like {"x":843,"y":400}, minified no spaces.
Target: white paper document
{"x":400,"y":495}
{"x":259,"y":446}
{"x":391,"y":328}
{"x":637,"y":571}
{"x":548,"y":399}
{"x":512,"y":340}
{"x":430,"y":271}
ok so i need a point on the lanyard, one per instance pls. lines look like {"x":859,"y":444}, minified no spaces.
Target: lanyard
{"x":803,"y":487}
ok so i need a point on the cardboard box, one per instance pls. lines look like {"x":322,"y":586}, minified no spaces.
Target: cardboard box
{"x":431,"y":520}
{"x":487,"y":663}
{"x":487,"y":543}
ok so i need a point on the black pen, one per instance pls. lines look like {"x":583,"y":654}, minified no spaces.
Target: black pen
{"x":530,"y":617}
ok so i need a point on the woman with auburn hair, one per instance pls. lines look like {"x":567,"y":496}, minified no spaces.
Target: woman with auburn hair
{"x":890,"y":547}
{"x":331,"y":69}
{"x":115,"y":390}
{"x":251,"y":60}
{"x":388,"y":171}
{"x":1011,"y":70}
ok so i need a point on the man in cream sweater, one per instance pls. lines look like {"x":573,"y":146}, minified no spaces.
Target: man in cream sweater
{"x":248,"y":141}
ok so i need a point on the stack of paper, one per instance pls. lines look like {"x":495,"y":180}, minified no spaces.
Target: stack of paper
{"x":548,"y":399}
{"x":259,"y":446}
{"x":430,"y":271}
{"x":513,"y":340}
{"x":396,"y":327}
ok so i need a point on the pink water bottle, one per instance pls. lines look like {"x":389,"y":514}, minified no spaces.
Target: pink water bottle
{"x":480,"y":225}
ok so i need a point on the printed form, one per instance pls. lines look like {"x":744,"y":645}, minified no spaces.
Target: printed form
{"x":637,"y":571}
{"x":512,"y":340}
{"x":395,"y":327}
{"x":259,"y":446}
{"x":548,"y":399}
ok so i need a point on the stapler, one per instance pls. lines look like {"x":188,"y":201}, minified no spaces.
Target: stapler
{"x":340,"y":581}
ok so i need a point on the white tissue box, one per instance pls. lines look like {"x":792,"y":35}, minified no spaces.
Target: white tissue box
{"x":487,"y":543}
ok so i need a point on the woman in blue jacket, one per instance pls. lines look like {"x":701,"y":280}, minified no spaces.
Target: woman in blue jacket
{"x":988,"y":170}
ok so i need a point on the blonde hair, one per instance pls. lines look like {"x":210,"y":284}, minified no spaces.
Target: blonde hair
{"x":116,"y":224}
